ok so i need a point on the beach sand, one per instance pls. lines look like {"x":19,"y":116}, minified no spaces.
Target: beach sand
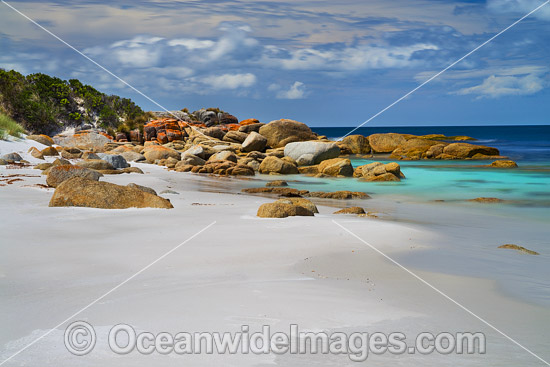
{"x":243,"y":270}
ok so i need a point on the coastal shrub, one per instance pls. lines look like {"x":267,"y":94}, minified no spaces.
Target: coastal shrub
{"x":9,"y":127}
{"x":43,"y":104}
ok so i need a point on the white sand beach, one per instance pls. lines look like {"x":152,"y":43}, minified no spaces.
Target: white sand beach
{"x":243,"y":270}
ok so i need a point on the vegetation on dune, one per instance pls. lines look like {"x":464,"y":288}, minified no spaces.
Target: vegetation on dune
{"x":46,"y":105}
{"x":9,"y":127}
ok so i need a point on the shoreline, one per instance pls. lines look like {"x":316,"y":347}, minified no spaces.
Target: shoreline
{"x":271,"y":273}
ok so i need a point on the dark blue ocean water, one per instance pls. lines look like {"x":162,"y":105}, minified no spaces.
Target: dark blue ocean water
{"x":526,"y":143}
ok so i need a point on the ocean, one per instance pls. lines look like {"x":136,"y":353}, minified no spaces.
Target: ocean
{"x":435,"y":195}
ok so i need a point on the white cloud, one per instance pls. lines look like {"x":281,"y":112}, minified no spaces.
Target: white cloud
{"x":519,"y":7}
{"x":137,"y":57}
{"x":191,"y":44}
{"x":137,"y":41}
{"x":347,"y":59}
{"x":296,"y":91}
{"x":497,"y":86}
{"x":230,"y":81}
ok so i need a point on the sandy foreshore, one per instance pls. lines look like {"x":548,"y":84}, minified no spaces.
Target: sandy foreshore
{"x":241,"y":271}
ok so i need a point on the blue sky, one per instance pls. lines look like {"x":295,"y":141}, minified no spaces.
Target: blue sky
{"x":326,"y":63}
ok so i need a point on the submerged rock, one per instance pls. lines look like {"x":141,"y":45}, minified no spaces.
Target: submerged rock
{"x":341,"y":195}
{"x":519,"y":248}
{"x":504,"y":164}
{"x":276,"y":183}
{"x":82,"y":192}
{"x":485,"y":200}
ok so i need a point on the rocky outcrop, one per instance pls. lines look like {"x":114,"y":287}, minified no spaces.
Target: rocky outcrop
{"x":281,"y":132}
{"x":504,"y":164}
{"x":222,"y":168}
{"x":282,"y":210}
{"x":378,"y":171}
{"x":165,"y":130}
{"x":83,"y":192}
{"x":274,"y":165}
{"x":357,"y":144}
{"x":282,"y":191}
{"x":254,"y":142}
{"x":465,"y":150}
{"x":352,"y":210}
{"x":59,"y":174}
{"x":336,"y":167}
{"x":385,"y":143}
{"x":153,"y":153}
{"x":311,"y":152}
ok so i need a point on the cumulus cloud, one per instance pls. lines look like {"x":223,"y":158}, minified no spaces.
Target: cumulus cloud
{"x":496,"y":86}
{"x":230,"y":81}
{"x":296,"y":91}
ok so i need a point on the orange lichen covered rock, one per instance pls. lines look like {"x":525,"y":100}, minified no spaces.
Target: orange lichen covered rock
{"x":248,"y":122}
{"x":49,"y":151}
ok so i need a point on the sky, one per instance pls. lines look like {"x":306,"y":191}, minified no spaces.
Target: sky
{"x":325,"y":63}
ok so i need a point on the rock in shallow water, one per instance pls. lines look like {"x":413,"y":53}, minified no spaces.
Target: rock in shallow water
{"x":282,"y":210}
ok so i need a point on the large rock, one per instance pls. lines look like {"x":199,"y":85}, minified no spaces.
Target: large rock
{"x":276,"y":165}
{"x":282,"y":210}
{"x":116,"y":160}
{"x":250,"y":128}
{"x":97,"y":164}
{"x":214,"y":132}
{"x":36,"y":153}
{"x":378,"y":171}
{"x":281,"y":132}
{"x":59,"y":174}
{"x":87,"y":140}
{"x":82,"y":192}
{"x":190,"y":159}
{"x":254,"y":142}
{"x":357,"y":144}
{"x":224,"y":155}
{"x":465,"y":150}
{"x":311,"y":152}
{"x":385,"y":143}
{"x":337,"y":167}
{"x":157,"y":152}
{"x":49,"y":151}
{"x":305,"y":203}
{"x":235,"y":137}
{"x":12,"y":157}
{"x":42,"y":139}
{"x":351,"y":210}
{"x":414,"y":149}
{"x":131,"y":156}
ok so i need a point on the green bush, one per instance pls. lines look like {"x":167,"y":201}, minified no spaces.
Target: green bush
{"x":9,"y":127}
